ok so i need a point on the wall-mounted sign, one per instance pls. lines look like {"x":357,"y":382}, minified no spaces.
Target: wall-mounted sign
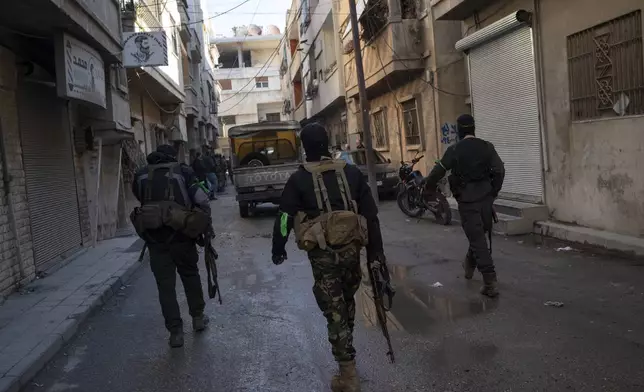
{"x":80,"y":71}
{"x":145,"y":49}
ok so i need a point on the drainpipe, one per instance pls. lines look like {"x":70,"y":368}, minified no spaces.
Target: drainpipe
{"x":536,"y":36}
{"x":6,"y":179}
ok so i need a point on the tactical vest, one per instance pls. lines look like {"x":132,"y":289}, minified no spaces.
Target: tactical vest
{"x":153,"y":215}
{"x":331,"y":230}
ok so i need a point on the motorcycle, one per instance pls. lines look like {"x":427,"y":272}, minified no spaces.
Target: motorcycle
{"x":414,"y":200}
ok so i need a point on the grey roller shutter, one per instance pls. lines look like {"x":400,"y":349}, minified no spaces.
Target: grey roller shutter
{"x":49,"y":172}
{"x":505,"y":107}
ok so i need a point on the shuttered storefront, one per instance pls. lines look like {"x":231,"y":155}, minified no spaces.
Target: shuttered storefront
{"x":49,"y":172}
{"x":505,"y":105}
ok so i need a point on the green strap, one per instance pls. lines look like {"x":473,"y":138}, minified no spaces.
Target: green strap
{"x":325,"y":195}
{"x":316,"y":189}
{"x":284,"y":224}
{"x":343,"y":191}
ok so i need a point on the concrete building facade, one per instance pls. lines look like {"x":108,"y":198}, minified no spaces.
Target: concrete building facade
{"x":579,"y":77}
{"x":248,"y":75}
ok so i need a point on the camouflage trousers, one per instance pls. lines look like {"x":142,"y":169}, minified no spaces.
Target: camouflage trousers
{"x":337,"y":278}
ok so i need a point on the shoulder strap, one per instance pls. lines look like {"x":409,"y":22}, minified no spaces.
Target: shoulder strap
{"x":169,"y":188}
{"x":316,"y":169}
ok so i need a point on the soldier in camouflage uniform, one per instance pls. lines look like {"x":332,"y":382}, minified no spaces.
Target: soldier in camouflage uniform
{"x":336,"y":269}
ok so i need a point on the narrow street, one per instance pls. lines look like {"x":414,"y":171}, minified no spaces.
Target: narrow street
{"x":270,"y":336}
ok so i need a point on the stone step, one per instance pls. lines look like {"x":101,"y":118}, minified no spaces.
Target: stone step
{"x":507,"y":224}
{"x":535,"y":212}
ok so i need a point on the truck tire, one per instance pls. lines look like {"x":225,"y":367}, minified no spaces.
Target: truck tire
{"x":243,"y":209}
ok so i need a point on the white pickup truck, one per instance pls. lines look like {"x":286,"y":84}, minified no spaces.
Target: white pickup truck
{"x":264,"y":155}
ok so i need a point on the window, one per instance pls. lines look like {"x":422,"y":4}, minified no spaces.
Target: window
{"x":410,"y":118}
{"x":227,"y":120}
{"x":226,"y":84}
{"x":175,"y":41}
{"x":605,"y":69}
{"x":273,"y":117}
{"x":379,"y":122}
{"x":261,"y":82}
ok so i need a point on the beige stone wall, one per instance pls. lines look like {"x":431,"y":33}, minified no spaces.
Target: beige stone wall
{"x":594,"y":177}
{"x":13,"y":250}
{"x":397,"y":149}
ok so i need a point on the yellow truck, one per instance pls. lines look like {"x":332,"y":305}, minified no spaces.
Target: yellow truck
{"x":264,"y":155}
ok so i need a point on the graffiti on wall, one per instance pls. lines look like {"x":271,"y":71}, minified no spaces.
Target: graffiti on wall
{"x":449,"y":135}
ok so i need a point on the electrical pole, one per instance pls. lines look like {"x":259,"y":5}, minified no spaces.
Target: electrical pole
{"x":364,"y":102}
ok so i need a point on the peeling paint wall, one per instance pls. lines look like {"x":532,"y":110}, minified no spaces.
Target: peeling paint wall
{"x":595,"y":176}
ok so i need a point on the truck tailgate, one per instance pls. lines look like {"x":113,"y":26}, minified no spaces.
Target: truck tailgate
{"x":275,"y":176}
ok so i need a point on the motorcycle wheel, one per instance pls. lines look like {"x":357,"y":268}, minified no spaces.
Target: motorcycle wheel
{"x":443,"y":212}
{"x":404,"y":204}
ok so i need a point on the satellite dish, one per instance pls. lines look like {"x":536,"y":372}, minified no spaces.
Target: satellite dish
{"x":254,"y":30}
{"x":272,"y":30}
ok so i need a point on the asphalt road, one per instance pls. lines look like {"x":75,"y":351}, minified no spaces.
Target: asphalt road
{"x":270,"y":336}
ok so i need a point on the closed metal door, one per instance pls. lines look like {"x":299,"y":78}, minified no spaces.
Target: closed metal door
{"x":49,"y":173}
{"x":506,"y":110}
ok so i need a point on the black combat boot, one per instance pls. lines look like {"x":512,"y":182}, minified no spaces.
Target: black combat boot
{"x":469,"y":265}
{"x":347,"y":380}
{"x":490,"y":286}
{"x":199,"y":323}
{"x":176,"y":339}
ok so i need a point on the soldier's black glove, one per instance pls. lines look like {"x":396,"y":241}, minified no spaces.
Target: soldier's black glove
{"x":278,"y":258}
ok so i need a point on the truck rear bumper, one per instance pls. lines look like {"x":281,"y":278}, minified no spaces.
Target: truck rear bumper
{"x":271,"y":196}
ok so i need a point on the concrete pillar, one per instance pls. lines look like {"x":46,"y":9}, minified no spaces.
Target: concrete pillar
{"x":240,"y":57}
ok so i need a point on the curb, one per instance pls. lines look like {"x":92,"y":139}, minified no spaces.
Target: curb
{"x":24,"y":371}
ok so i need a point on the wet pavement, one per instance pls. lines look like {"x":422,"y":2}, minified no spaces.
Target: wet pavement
{"x":270,"y":336}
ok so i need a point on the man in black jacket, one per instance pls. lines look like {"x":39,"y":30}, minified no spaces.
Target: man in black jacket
{"x":337,"y":275}
{"x":476,"y":180}
{"x":170,"y":250}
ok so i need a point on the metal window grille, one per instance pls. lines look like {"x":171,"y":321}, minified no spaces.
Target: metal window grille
{"x":379,"y":120}
{"x":273,"y":117}
{"x":606,"y":69}
{"x":261,"y":82}
{"x":410,"y":117}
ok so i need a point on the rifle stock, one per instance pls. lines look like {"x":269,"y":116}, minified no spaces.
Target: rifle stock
{"x":380,"y":285}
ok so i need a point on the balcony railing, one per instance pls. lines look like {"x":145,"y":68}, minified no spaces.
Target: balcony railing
{"x":388,"y":58}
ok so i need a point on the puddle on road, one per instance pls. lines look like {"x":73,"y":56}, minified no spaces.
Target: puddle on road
{"x":418,"y":307}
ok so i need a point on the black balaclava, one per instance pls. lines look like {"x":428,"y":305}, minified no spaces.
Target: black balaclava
{"x":168,"y":150}
{"x":315,"y":141}
{"x":465,"y":124}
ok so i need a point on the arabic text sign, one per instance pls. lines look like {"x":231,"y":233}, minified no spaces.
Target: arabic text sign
{"x":80,"y":71}
{"x":145,"y":49}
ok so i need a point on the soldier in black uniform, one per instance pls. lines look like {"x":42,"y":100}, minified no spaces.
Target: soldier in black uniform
{"x":170,"y":250}
{"x":476,"y":180}
{"x":336,"y":273}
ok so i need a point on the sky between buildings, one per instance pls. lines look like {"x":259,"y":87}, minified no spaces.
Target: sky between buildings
{"x":258,"y":12}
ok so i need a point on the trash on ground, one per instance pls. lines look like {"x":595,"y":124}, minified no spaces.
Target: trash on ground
{"x":564,"y":249}
{"x":555,"y":304}
{"x":437,"y":284}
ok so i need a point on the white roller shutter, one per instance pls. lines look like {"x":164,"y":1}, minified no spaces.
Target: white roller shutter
{"x":49,"y":173}
{"x":506,"y":110}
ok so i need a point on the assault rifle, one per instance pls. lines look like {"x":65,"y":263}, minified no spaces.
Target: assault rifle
{"x":211,"y":256}
{"x":381,"y":287}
